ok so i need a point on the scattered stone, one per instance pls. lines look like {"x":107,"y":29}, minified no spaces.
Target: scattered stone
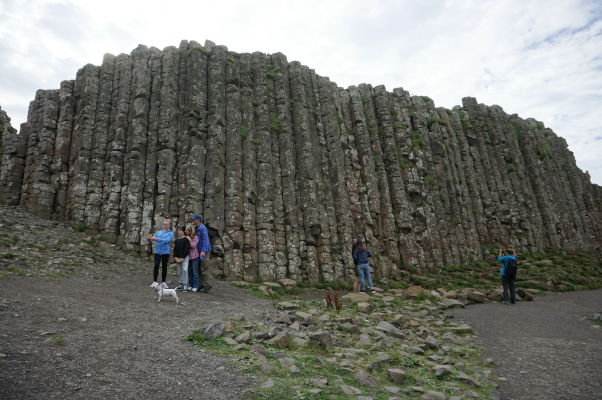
{"x":214,"y":330}
{"x":432,"y":395}
{"x":287,"y":305}
{"x":450,"y":303}
{"x":524,"y":295}
{"x":350,"y":390}
{"x":266,"y":367}
{"x":357,"y":297}
{"x":460,"y":329}
{"x":376,"y":365}
{"x":388,"y":328}
{"x":299,"y":342}
{"x":365,"y":379}
{"x":314,"y":391}
{"x":294,"y":369}
{"x":320,"y":382}
{"x":396,"y":375}
{"x":391,"y":389}
{"x":431,"y":342}
{"x":364,"y":307}
{"x":230,"y":341}
{"x":442,"y":370}
{"x":282,"y":340}
{"x":244,"y":337}
{"x":272,"y":284}
{"x":268,"y":384}
{"x":286,"y":362}
{"x":287,"y":282}
{"x":321,"y":339}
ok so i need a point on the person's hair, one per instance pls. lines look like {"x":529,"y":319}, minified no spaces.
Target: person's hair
{"x":183,"y":228}
{"x":359,"y":245}
{"x":189,"y":230}
{"x":511,"y":251}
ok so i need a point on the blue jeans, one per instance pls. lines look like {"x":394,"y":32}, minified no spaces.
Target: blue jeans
{"x":193,"y":273}
{"x":364,"y":270}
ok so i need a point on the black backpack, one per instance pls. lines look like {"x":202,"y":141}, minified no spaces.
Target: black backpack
{"x":511,"y":268}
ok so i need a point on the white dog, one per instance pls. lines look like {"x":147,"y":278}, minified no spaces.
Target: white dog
{"x":167,"y":292}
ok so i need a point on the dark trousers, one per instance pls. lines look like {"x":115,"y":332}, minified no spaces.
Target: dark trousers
{"x":508,"y":285}
{"x":161,"y":259}
{"x":203,"y":274}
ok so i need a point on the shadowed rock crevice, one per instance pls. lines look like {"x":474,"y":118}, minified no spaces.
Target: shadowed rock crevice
{"x":289,"y":169}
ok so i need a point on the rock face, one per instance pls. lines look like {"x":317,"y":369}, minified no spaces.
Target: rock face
{"x":289,"y":169}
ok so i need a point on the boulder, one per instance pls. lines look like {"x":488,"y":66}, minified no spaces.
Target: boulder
{"x":450,"y":303}
{"x":357,"y":297}
{"x":322,"y":339}
{"x":282,"y":340}
{"x":287,"y":282}
{"x":364,"y":307}
{"x":365,"y":379}
{"x":389,"y":329}
{"x":396,"y":375}
{"x":214,"y":330}
{"x":414,"y":291}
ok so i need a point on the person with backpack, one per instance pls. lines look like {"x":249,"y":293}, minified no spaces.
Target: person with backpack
{"x":508,"y":274}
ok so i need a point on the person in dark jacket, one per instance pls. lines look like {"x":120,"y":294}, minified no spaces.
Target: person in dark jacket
{"x":356,"y":282}
{"x":360,"y":258}
{"x":180,"y":253}
{"x":507,"y":280}
{"x":204,"y":247}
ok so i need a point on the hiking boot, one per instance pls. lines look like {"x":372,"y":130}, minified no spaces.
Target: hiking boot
{"x":206,"y":288}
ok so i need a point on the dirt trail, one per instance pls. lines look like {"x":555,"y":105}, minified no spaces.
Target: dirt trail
{"x":547,"y":349}
{"x":119,"y":342}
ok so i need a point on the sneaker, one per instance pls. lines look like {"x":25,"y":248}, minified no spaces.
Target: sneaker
{"x":180,"y":288}
{"x":372,"y":291}
{"x":362,"y":292}
{"x":206,"y":288}
{"x":154,"y":285}
{"x":194,"y":290}
{"x":189,"y":289}
{"x":164,"y":286}
{"x":506,"y":302}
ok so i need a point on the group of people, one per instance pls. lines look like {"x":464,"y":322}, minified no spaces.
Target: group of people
{"x":190,"y":250}
{"x":192,"y":246}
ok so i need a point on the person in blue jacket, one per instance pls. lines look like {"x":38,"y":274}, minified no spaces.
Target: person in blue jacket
{"x":507,"y":280}
{"x":204,"y":246}
{"x":360,"y":258}
{"x":162,"y":241}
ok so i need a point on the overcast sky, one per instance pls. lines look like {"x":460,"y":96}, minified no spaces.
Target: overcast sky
{"x":540,"y":59}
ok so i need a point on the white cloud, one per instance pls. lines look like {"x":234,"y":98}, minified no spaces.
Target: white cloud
{"x":539,"y":59}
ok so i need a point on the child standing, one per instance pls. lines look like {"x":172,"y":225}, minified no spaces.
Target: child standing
{"x":162,"y":241}
{"x":180,"y":252}
{"x":193,"y":260}
{"x":360,"y":258}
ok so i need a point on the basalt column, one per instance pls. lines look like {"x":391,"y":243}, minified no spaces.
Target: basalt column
{"x":289,"y":169}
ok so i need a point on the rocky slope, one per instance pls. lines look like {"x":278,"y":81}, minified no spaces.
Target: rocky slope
{"x":289,"y":169}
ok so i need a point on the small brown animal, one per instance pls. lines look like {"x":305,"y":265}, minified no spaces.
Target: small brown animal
{"x":329,"y":301}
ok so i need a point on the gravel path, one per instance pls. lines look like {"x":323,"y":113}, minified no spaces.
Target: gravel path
{"x":547,"y":349}
{"x":119,"y":342}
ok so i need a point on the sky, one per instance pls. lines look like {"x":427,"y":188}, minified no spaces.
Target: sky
{"x":539,"y":59}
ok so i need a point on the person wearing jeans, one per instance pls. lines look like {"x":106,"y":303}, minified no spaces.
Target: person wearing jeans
{"x":204,"y":247}
{"x":360,"y":258}
{"x":193,"y":261}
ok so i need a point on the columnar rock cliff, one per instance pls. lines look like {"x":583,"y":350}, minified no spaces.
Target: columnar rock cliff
{"x":289,"y":169}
